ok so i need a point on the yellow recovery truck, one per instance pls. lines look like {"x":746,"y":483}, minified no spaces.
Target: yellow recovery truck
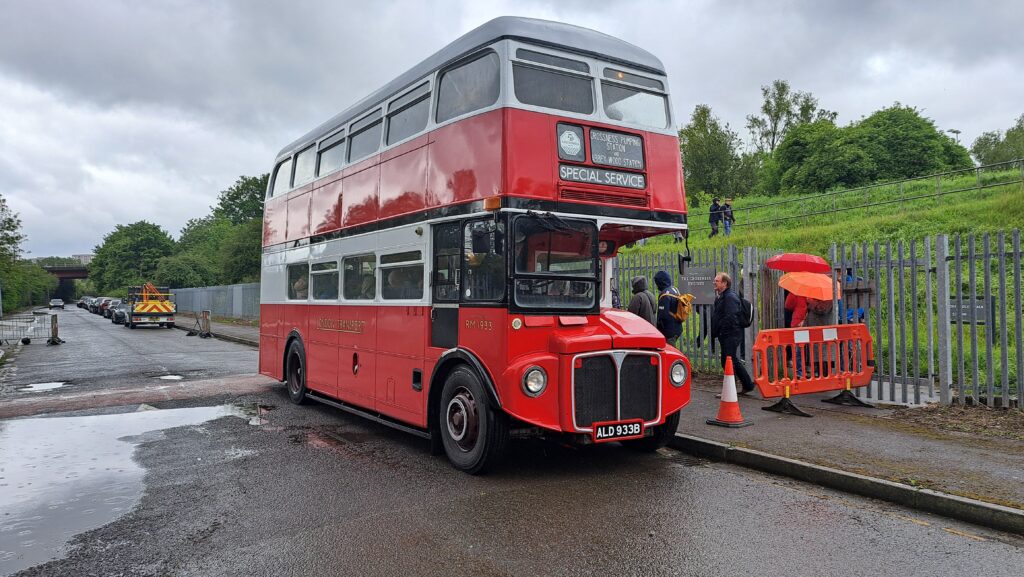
{"x":150,"y":305}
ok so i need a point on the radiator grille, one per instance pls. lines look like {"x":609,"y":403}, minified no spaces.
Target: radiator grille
{"x":594,"y":392}
{"x":638,"y":382}
{"x":601,"y":392}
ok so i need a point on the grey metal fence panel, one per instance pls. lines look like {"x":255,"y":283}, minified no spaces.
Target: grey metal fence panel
{"x":236,"y":301}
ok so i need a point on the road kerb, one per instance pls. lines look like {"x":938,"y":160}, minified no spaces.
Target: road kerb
{"x":952,"y":506}
{"x":229,"y":338}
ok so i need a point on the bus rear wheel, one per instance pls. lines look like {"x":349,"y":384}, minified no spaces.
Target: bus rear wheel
{"x":295,"y":372}
{"x":662,"y":435}
{"x":473,"y":434}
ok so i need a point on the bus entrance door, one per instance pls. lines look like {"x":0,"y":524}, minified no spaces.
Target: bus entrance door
{"x":445,"y":276}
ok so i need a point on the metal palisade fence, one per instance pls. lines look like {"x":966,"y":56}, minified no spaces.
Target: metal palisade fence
{"x":241,"y":301}
{"x":757,"y":284}
{"x":945,"y":312}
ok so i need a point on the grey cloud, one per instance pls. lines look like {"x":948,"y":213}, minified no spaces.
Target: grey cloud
{"x":101,"y":102}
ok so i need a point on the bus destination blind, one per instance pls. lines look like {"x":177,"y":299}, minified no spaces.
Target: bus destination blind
{"x":601,"y":176}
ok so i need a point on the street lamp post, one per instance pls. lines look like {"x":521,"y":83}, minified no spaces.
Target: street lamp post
{"x":955,"y":132}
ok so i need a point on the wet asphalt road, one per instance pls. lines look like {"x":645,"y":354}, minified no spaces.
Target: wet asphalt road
{"x":98,"y":353}
{"x":275,"y":489}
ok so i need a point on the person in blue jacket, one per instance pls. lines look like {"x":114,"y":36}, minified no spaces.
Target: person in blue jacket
{"x":667,"y":303}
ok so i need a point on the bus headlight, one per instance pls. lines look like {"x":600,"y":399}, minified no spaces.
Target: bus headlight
{"x":534,"y":381}
{"x":677,"y":374}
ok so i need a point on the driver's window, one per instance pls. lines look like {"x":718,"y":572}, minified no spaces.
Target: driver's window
{"x":447,"y":260}
{"x":484,"y":255}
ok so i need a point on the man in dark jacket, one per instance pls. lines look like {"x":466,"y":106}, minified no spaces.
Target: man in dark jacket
{"x":714,"y":217}
{"x":667,"y":303}
{"x":642,"y":303}
{"x":727,"y":327}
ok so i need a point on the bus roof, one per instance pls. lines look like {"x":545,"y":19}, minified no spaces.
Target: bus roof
{"x":544,"y":32}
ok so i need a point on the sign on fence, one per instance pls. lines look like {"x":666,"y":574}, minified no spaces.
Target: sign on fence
{"x":699,"y":281}
{"x":984,"y":310}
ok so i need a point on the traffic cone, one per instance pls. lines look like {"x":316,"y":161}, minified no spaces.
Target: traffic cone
{"x":729,"y":408}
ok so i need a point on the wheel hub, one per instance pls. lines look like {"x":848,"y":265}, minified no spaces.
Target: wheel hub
{"x":463,"y":420}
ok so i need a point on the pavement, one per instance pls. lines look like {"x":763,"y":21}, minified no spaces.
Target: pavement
{"x":868,"y":451}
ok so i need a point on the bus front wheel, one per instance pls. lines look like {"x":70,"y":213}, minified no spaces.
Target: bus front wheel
{"x":295,"y":372}
{"x":474,"y":435}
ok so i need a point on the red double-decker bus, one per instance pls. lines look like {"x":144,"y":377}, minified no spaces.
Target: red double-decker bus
{"x":434,"y":256}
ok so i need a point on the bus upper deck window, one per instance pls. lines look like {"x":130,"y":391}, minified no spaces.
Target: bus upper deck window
{"x":468,"y":87}
{"x":626,"y":104}
{"x":282,"y":178}
{"x":551,"y":89}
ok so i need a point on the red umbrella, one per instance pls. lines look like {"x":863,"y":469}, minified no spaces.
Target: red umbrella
{"x":798,"y":262}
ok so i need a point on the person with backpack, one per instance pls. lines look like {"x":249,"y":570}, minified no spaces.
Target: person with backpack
{"x":642,"y":304}
{"x":727,"y":216}
{"x":729,"y":316}
{"x":714,"y":217}
{"x":668,"y":306}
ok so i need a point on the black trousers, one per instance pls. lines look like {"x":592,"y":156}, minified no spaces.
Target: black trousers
{"x":729,"y":347}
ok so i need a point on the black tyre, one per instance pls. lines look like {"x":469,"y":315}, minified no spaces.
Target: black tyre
{"x":295,"y":372}
{"x":130,"y":324}
{"x":662,"y":435}
{"x":474,"y":435}
{"x":170,"y":325}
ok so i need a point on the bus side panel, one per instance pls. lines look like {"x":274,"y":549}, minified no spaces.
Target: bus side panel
{"x":275,"y":220}
{"x":325,"y":206}
{"x":357,"y":355}
{"x":665,"y":173}
{"x":482,"y":331}
{"x":403,"y":181}
{"x":322,"y":349}
{"x":465,"y":160}
{"x":298,"y":214}
{"x":270,"y":345}
{"x":359,"y":203}
{"x":401,"y":342}
{"x":531,"y":161}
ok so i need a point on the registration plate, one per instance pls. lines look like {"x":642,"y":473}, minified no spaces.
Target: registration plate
{"x":617,"y":431}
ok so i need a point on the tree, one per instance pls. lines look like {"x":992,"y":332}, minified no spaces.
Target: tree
{"x":781,"y":109}
{"x":129,"y":256}
{"x":243,"y":200}
{"x":709,"y":151}
{"x":817,"y":156}
{"x":241,"y":253}
{"x":994,"y":147}
{"x":185,"y":270}
{"x":904,"y":144}
{"x":11,"y":236}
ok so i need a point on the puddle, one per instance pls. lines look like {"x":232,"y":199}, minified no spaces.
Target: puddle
{"x":171,"y":377}
{"x":35,"y":388}
{"x":66,"y":475}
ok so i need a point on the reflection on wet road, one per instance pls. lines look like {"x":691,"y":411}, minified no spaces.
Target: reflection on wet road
{"x":62,"y":476}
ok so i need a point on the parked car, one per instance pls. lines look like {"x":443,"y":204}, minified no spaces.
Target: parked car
{"x":56,"y":304}
{"x":109,"y":309}
{"x":99,"y":304}
{"x":121,"y":312}
{"x":83,"y":303}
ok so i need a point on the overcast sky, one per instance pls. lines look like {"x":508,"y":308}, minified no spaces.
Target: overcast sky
{"x":117,"y":111}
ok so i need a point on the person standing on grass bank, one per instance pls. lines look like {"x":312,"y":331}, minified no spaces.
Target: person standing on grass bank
{"x":642,"y":304}
{"x":727,"y":327}
{"x":667,"y":303}
{"x":714,"y":217}
{"x":727,"y":216}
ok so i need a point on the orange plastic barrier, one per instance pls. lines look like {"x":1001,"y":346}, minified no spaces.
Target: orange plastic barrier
{"x":812,"y":360}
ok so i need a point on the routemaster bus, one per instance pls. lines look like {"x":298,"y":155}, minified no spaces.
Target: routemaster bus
{"x":435,"y":257}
